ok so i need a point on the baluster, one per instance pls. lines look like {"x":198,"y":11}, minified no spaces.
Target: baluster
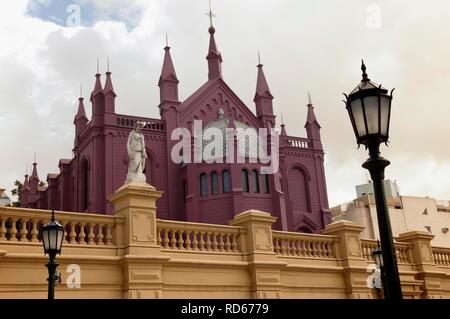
{"x":100,"y":234}
{"x":215,"y":242}
{"x":64,"y":225}
{"x":201,"y":244}
{"x":180,"y":239}
{"x":283,"y":246}
{"x":187,"y":242}
{"x":165,"y":241}
{"x":13,"y":230}
{"x":23,"y":230}
{"x":308,"y":248}
{"x":221,"y":243}
{"x":296,"y":247}
{"x":208,"y":240}
{"x":227,"y":243}
{"x":2,"y":230}
{"x":91,"y":234}
{"x":109,"y":236}
{"x":173,"y":241}
{"x":82,"y":234}
{"x":293,"y":247}
{"x":158,"y":233}
{"x":330,"y":250}
{"x":276,"y":246}
{"x":195,"y":241}
{"x":72,"y":234}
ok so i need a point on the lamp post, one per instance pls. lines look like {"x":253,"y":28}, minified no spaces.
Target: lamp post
{"x":52,"y":237}
{"x":369,"y":108}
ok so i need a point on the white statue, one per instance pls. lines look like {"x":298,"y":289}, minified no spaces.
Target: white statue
{"x":137,"y":154}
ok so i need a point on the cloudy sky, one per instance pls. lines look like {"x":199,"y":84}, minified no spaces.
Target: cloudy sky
{"x":47,"y":49}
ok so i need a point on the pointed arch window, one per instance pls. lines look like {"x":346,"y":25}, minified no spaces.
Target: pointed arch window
{"x":203,"y":185}
{"x":226,"y":181}
{"x":244,"y":175}
{"x":214,"y":183}
{"x":255,"y":177}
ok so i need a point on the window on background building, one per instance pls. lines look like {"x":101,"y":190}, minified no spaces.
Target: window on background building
{"x":425,"y":212}
{"x":266,"y":183}
{"x":244,"y":175}
{"x":428,"y":228}
{"x":214,"y":183}
{"x":85,"y":183}
{"x":255,"y":181}
{"x":226,"y":181}
{"x":203,"y":185}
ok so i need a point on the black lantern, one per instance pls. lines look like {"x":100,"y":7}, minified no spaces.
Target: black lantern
{"x":52,"y":237}
{"x":369,"y":108}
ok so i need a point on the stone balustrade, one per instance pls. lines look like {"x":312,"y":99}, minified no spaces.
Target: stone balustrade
{"x":19,"y":225}
{"x":198,"y":237}
{"x":132,"y":254}
{"x":441,"y":256}
{"x":303,"y":245}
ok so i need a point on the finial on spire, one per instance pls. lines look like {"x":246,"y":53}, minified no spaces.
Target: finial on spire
{"x":107,"y":65}
{"x":309,"y":98}
{"x":167,"y":40}
{"x":282,"y":121}
{"x":81,"y":90}
{"x":34,"y":157}
{"x":98,"y":68}
{"x":210,"y":14}
{"x":363,"y":69}
{"x":259,"y":58}
{"x":26,"y":170}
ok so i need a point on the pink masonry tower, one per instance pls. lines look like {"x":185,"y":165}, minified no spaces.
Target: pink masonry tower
{"x":197,"y":192}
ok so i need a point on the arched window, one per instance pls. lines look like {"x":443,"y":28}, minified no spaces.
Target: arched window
{"x":203,"y":185}
{"x":255,"y":181}
{"x":214,"y":183}
{"x":85,"y":185}
{"x":266,"y":183}
{"x":244,"y":175}
{"x":226,"y":181}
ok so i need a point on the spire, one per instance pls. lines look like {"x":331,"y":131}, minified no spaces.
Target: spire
{"x":26,"y":182}
{"x":311,"y":118}
{"x":262,"y":88}
{"x":214,"y":57}
{"x":283,"y":128}
{"x":312,"y":127}
{"x":81,"y":114}
{"x":98,"y":83}
{"x":168,"y":70}
{"x":108,"y":82}
{"x":34,"y":174}
{"x":168,"y":82}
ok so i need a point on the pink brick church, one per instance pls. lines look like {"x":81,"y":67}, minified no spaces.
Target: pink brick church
{"x":195,"y":192}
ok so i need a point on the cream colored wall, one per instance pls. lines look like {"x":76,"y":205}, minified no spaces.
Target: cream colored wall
{"x":139,"y":256}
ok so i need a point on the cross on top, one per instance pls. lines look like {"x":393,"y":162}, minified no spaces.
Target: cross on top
{"x":210,"y":14}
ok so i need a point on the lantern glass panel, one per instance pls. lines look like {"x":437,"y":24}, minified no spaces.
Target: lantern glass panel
{"x":45,"y":239}
{"x":358,"y":116}
{"x":371,"y":107}
{"x":53,"y":236}
{"x":60,"y":239}
{"x":385,"y":105}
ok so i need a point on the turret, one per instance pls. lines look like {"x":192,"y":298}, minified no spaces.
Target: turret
{"x":312,"y":126}
{"x":98,"y":100}
{"x":263,"y":100}
{"x":109,"y":94}
{"x":80,"y":119}
{"x":168,"y":82}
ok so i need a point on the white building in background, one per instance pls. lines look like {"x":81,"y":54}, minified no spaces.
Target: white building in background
{"x":406,"y":213}
{"x":4,"y":199}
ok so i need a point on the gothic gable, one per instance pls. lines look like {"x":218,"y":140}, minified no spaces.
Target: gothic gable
{"x":205,"y":103}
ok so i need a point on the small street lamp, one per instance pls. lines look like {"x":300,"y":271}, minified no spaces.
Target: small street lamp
{"x":52,"y":237}
{"x":369,"y":108}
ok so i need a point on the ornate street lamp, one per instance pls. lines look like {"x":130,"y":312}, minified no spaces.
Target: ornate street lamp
{"x":52,"y":237}
{"x":369,"y":108}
